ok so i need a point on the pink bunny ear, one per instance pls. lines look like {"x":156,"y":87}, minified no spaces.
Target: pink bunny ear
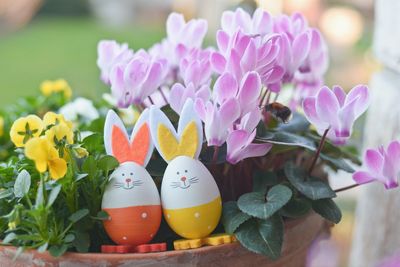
{"x":137,"y":149}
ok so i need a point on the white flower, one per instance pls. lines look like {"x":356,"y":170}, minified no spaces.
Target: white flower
{"x":80,"y":107}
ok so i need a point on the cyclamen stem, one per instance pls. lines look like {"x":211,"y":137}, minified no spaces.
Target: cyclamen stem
{"x":215,"y":155}
{"x":321,"y":145}
{"x":163,"y":95}
{"x":346,"y":188}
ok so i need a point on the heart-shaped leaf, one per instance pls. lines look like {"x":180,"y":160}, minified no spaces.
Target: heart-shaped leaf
{"x":262,"y":236}
{"x":272,"y":232}
{"x":257,"y":205}
{"x":328,"y":209}
{"x":232,"y":217}
{"x":296,"y":207}
{"x":261,"y":180}
{"x":311,"y":187}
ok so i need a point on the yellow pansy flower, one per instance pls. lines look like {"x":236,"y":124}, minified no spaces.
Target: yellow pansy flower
{"x":1,"y":126}
{"x":60,"y":132}
{"x":51,"y":87}
{"x":51,"y":118}
{"x":46,"y":157}
{"x":24,"y":129}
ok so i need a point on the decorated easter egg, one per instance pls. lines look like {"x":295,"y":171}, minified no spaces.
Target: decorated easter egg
{"x":190,"y":198}
{"x":131,"y":198}
{"x":189,"y":194}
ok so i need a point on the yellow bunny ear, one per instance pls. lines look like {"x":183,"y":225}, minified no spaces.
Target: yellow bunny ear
{"x":169,"y":146}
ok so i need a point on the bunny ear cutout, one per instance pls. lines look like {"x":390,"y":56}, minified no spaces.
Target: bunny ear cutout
{"x":170,"y":144}
{"x":190,"y":128}
{"x":137,"y":149}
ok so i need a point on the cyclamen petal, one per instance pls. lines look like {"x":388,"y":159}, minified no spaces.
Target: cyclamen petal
{"x":225,"y":87}
{"x":110,"y":53}
{"x":335,"y":111}
{"x":239,"y":146}
{"x":381,"y":165}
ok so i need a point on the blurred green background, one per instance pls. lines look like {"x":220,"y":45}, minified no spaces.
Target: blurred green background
{"x":61,"y":47}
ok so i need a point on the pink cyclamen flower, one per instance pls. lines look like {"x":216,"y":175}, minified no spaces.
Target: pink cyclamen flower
{"x":181,"y":38}
{"x":240,"y":53}
{"x":133,"y":82}
{"x":179,"y":94}
{"x":260,"y":23}
{"x":240,"y":146}
{"x":218,"y":120}
{"x":247,"y":92}
{"x":110,"y":53}
{"x":195,"y":68}
{"x":381,"y":165}
{"x":336,"y":111}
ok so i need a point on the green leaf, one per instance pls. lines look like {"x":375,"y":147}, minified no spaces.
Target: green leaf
{"x":39,"y":196}
{"x":77,"y":216}
{"x":53,"y":195}
{"x":311,"y":187}
{"x":328,"y":209}
{"x":102,"y":215}
{"x":43,"y":248}
{"x":262,"y":180}
{"x":232,"y":217}
{"x":262,"y":236}
{"x":6,"y":193}
{"x":81,"y":242}
{"x":9,"y":238}
{"x":81,"y":176}
{"x":93,"y":142}
{"x":337,"y":163}
{"x":255,"y":203}
{"x":107,"y":163}
{"x":58,"y":251}
{"x":287,"y":139}
{"x":22,"y":184}
{"x":296,"y":207}
{"x":90,"y":166}
{"x":272,"y":232}
{"x":298,"y":123}
{"x":69,"y":238}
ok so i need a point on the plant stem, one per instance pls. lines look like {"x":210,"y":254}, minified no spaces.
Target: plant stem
{"x":346,"y":188}
{"x":215,"y":155}
{"x":163,"y":95}
{"x":263,"y":97}
{"x":151,"y":100}
{"x":321,"y":145}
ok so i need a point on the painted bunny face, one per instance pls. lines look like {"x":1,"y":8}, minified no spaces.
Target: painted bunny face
{"x":187,"y":183}
{"x":127,"y":177}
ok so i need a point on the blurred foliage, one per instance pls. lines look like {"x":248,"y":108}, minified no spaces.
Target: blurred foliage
{"x":65,"y":7}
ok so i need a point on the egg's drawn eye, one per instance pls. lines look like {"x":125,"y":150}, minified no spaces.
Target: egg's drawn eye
{"x":186,"y":171}
{"x":131,"y":173}
{"x":177,"y":173}
{"x":123,"y":174}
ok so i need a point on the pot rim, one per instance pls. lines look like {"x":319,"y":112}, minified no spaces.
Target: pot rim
{"x":290,"y":223}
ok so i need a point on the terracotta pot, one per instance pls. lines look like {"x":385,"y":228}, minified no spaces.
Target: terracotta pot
{"x":298,"y":237}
